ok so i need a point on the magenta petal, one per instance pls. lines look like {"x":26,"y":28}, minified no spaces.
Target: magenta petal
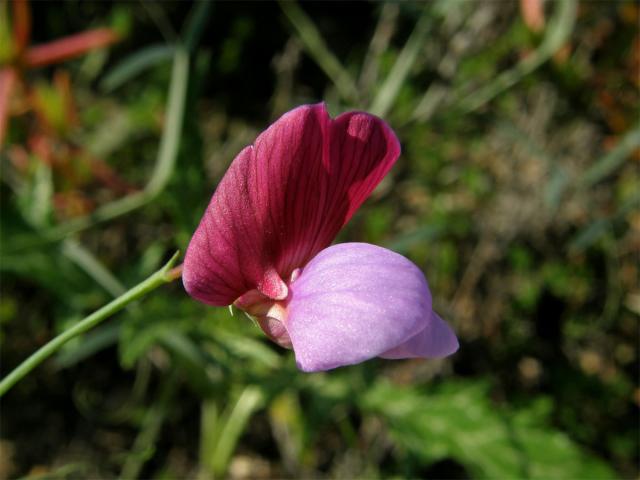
{"x":353,"y":302}
{"x":283,"y":200}
{"x":434,"y":341}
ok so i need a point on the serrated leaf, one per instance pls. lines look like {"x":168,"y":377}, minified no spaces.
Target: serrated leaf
{"x":459,"y":421}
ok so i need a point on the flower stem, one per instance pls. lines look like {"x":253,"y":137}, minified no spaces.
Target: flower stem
{"x":162,"y":276}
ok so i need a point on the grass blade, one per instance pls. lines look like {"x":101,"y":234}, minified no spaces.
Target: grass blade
{"x":379,"y":43}
{"x":248,"y":402}
{"x":135,"y":64}
{"x":614,"y":159}
{"x":93,"y":267}
{"x":195,"y":24}
{"x":407,"y":58}
{"x":144,"y":445}
{"x":558,"y":32}
{"x":319,"y":51}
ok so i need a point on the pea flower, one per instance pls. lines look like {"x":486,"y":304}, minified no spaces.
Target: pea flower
{"x":263,"y":246}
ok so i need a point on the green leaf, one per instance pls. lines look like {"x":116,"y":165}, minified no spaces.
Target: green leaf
{"x":459,"y":421}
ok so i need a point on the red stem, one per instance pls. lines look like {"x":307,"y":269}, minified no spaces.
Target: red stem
{"x":21,"y":24}
{"x":68,"y":47}
{"x":8,"y":78}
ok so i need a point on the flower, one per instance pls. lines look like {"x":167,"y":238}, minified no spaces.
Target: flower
{"x":262,"y":246}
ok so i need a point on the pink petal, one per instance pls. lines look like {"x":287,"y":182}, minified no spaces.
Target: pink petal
{"x":356,"y":301}
{"x":434,"y":341}
{"x":284,"y":199}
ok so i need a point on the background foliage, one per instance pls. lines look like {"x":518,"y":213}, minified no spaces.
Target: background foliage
{"x":517,"y":193}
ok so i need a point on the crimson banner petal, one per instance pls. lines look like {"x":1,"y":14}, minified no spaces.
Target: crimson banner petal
{"x":284,"y":199}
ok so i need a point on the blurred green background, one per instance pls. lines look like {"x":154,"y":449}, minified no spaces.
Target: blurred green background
{"x":517,"y":193}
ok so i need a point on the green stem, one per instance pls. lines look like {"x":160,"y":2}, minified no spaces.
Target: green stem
{"x":162,"y":276}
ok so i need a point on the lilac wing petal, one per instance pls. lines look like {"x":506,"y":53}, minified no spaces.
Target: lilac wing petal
{"x":434,"y":341}
{"x":353,"y":302}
